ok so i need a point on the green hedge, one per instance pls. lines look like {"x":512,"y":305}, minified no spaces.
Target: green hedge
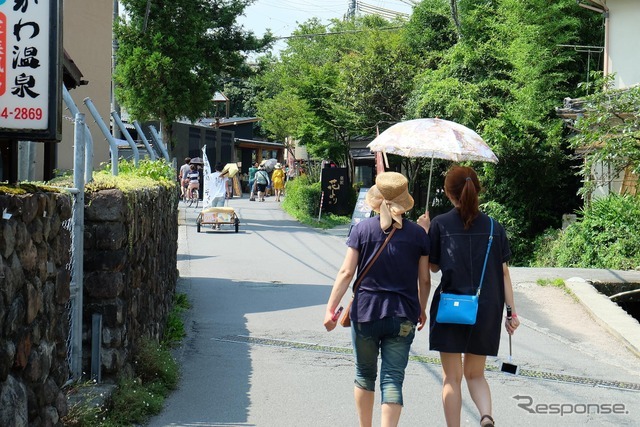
{"x":606,"y":236}
{"x":302,"y":202}
{"x":302,"y":197}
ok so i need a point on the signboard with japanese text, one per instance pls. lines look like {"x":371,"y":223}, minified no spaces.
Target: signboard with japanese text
{"x":30,"y":70}
{"x":362,"y":210}
{"x":336,"y":190}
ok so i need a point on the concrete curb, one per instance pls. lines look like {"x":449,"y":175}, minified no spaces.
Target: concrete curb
{"x":607,"y":313}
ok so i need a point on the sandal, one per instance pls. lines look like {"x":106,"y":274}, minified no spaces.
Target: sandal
{"x":490,"y":423}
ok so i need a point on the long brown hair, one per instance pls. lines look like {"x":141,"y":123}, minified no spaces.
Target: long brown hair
{"x":462,"y":185}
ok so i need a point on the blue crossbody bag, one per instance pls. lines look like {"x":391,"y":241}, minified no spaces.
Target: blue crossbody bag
{"x":462,"y":309}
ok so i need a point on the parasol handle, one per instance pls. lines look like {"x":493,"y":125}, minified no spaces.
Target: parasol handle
{"x":429,"y":187}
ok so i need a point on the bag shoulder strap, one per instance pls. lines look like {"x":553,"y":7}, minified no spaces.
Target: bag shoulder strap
{"x":375,"y":257}
{"x":486,"y":257}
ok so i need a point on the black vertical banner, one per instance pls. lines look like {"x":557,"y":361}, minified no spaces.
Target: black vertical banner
{"x":335,"y":186}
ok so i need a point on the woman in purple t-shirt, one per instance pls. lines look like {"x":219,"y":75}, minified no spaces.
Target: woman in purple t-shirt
{"x":391,"y":299}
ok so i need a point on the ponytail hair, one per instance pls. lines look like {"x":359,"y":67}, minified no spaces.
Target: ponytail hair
{"x":462,"y":185}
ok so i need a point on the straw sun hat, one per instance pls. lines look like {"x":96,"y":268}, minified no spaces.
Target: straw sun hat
{"x":390,"y":196}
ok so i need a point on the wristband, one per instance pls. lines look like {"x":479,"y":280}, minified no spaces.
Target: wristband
{"x":514,"y":315}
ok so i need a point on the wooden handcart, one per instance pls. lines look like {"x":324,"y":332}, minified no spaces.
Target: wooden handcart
{"x":218,"y":216}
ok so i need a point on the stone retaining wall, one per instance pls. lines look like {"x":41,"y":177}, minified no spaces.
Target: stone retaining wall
{"x":34,"y":324}
{"x":129,"y":270}
{"x":129,"y":277}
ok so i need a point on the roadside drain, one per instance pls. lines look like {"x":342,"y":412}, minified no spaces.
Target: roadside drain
{"x":526,"y":373}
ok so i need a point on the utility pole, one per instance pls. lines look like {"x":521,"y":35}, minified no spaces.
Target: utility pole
{"x":115,"y":130}
{"x":351,"y":12}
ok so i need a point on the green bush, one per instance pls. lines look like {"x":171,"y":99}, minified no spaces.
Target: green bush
{"x":303,"y":197}
{"x":303,"y":202}
{"x":606,"y":236}
{"x":158,"y":170}
{"x":130,"y":178}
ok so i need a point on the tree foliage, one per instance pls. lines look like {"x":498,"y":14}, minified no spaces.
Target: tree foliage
{"x":351,"y":81}
{"x":171,"y":52}
{"x":503,"y":78}
{"x":609,"y":133}
{"x":500,"y":67}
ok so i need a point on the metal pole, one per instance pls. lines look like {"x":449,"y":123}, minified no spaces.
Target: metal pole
{"x":105,"y":131}
{"x":144,"y":139}
{"x":426,"y":209}
{"x":96,"y":345}
{"x":125,"y":132}
{"x":88,"y":140}
{"x":23,"y":161}
{"x":78,"y":247}
{"x":156,"y":137}
{"x":114,"y":50}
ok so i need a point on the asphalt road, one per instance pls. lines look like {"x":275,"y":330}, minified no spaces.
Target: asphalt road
{"x":257,"y":353}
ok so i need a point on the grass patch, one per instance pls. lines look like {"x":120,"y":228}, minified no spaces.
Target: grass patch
{"x":326,"y":221}
{"x":556,"y":283}
{"x":174,"y":331}
{"x":137,"y":398}
{"x":86,"y":405}
{"x":26,"y":187}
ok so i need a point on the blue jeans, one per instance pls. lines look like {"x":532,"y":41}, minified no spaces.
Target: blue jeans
{"x":217,"y":202}
{"x":392,"y":338}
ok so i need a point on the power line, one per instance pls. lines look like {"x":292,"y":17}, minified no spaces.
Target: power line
{"x":376,"y":10}
{"x":298,"y":36}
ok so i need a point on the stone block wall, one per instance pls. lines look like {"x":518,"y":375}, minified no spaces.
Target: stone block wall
{"x":129,"y":270}
{"x":129,"y":277}
{"x":34,"y":321}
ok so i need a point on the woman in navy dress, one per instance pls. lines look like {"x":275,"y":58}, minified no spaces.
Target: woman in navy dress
{"x":459,"y":241}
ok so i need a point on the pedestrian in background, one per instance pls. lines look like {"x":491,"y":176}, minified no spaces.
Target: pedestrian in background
{"x":218,"y":187}
{"x":252,"y":180}
{"x":277,"y":178}
{"x":391,"y":298}
{"x":262,"y":180}
{"x":182,"y":176}
{"x":459,"y":242}
{"x":193,"y":178}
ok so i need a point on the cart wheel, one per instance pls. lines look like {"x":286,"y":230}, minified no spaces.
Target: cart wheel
{"x":198,"y":226}
{"x":237,"y":224}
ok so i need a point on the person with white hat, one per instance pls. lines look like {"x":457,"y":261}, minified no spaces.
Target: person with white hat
{"x":391,"y":256}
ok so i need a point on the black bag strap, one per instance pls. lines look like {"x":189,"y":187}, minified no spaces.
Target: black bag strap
{"x":375,"y":257}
